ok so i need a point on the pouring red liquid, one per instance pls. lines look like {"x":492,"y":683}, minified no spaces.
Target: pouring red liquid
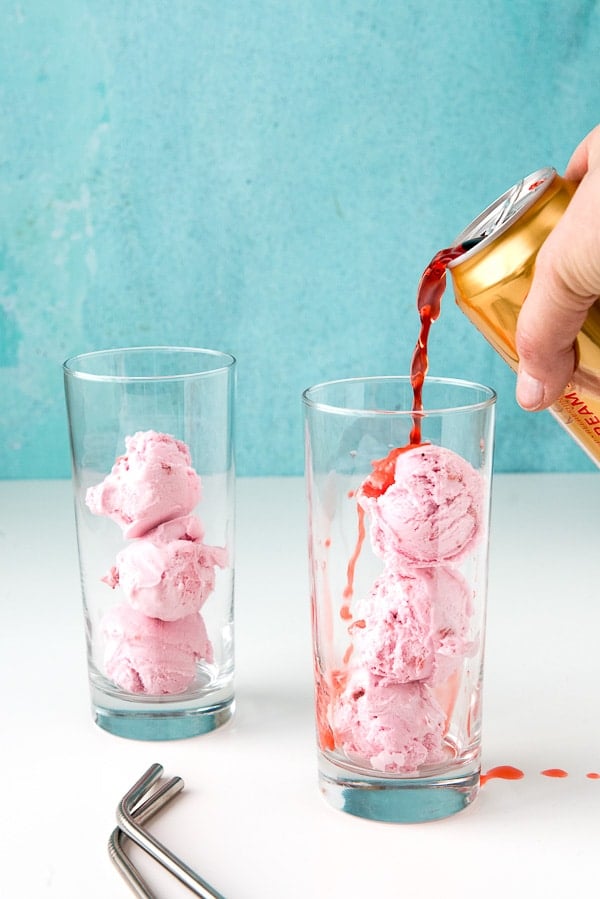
{"x":429,"y":298}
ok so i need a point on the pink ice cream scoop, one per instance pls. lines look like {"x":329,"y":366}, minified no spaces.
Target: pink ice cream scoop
{"x":391,"y":727}
{"x":414,"y":626}
{"x":153,"y":482}
{"x":146,"y":655}
{"x":169,"y":573}
{"x":431,"y":514}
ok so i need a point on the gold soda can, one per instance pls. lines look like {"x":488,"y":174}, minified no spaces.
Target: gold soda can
{"x":492,"y":279}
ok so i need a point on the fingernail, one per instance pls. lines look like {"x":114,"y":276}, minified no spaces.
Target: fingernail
{"x":530,"y":391}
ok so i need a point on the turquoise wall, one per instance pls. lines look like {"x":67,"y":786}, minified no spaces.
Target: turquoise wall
{"x":267,"y":178}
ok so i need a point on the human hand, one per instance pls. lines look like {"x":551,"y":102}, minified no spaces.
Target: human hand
{"x":566,"y":283}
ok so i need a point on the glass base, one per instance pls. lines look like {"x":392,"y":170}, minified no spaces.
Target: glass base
{"x":398,"y":800}
{"x":162,"y":723}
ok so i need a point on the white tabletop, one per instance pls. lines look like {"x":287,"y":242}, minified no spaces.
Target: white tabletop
{"x":251,"y":819}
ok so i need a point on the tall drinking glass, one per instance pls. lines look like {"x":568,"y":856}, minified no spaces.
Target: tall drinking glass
{"x":153,"y":475}
{"x":398,"y":511}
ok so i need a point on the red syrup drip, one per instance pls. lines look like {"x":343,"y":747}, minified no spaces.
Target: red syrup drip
{"x":554,"y":772}
{"x":501,"y":772}
{"x":345,"y":612}
{"x":323,"y":698}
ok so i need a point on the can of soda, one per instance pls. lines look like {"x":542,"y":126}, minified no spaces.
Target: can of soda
{"x":492,"y":279}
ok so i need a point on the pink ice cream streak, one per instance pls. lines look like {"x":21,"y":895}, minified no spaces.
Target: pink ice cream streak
{"x":411,"y":633}
{"x":166,"y":573}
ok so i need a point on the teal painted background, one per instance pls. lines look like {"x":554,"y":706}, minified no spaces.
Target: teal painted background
{"x":267,"y":178}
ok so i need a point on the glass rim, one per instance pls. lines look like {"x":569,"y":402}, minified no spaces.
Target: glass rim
{"x":70,"y":365}
{"x":488,"y":401}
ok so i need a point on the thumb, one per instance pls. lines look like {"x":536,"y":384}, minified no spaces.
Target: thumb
{"x":565,"y":284}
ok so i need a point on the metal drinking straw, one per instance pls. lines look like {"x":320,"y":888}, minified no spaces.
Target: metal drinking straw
{"x":135,"y":831}
{"x":141,"y":814}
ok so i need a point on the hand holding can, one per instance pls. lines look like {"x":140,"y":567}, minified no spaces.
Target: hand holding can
{"x":565,"y":285}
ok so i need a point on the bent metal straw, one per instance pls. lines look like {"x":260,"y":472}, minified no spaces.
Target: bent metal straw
{"x":141,"y":814}
{"x":135,"y":831}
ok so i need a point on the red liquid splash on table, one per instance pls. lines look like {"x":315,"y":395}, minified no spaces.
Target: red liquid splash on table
{"x":508,"y":772}
{"x":501,"y":772}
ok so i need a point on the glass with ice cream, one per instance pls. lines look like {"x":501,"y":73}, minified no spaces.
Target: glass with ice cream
{"x":153,"y":474}
{"x":398,"y":504}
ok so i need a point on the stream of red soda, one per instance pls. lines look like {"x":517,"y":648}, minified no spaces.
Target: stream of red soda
{"x":429,"y":297}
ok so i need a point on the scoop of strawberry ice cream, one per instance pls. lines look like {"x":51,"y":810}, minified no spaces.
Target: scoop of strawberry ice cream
{"x":146,"y":655}
{"x":431,"y":514}
{"x":414,"y":626}
{"x":169,"y":573}
{"x":389,"y":727}
{"x":152,"y":483}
